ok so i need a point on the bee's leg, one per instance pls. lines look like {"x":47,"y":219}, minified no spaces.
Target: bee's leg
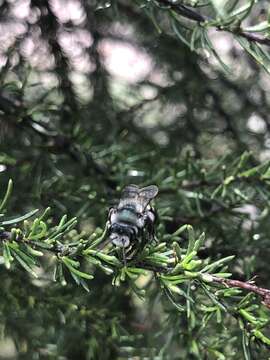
{"x":104,"y":244}
{"x":112,"y":215}
{"x":124,"y":256}
{"x":150,"y":221}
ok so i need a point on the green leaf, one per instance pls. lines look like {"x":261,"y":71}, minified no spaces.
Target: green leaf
{"x":7,"y":255}
{"x":33,"y":251}
{"x":191,"y":239}
{"x":73,"y":270}
{"x":175,"y":279}
{"x":222,"y":275}
{"x":62,"y":222}
{"x":58,"y":273}
{"x":39,"y":230}
{"x":174,"y":303}
{"x":242,"y":10}
{"x":219,"y":6}
{"x":80,"y":281}
{"x":193,"y":264}
{"x":176,"y":30}
{"x":45,"y":214}
{"x":137,"y":271}
{"x":157,"y":259}
{"x":264,"y":25}
{"x":245,"y":346}
{"x":179,"y":291}
{"x":207,"y":278}
{"x":195,"y":34}
{"x":63,"y":229}
{"x":106,"y":269}
{"x":177,"y":249}
{"x":160,"y":247}
{"x":100,"y":239}
{"x":211,"y":267}
{"x":199,"y":242}
{"x":259,"y":335}
{"x":213,"y":298}
{"x":55,"y":236}
{"x":24,"y":264}
{"x":20,"y":218}
{"x":72,"y":262}
{"x":249,"y":317}
{"x":104,"y":257}
{"x":188,"y":257}
{"x":7,"y":195}
{"x":150,"y":13}
{"x":26,"y":257}
{"x":42,"y":245}
{"x":212,"y":50}
{"x":256,"y":52}
{"x":180,"y":230}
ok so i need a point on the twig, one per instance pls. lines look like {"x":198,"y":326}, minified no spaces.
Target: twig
{"x":264,"y":293}
{"x":231,"y":283}
{"x":199,"y":18}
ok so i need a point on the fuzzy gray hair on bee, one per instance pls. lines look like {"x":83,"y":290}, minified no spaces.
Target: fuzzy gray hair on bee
{"x":133,"y":215}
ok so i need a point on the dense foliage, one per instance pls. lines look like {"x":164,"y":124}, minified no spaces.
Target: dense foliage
{"x":95,"y":95}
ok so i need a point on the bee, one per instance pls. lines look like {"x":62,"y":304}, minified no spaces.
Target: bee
{"x":133,"y":218}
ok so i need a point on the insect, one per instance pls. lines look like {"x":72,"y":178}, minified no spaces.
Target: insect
{"x":133,"y":216}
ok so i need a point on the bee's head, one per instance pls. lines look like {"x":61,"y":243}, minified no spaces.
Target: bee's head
{"x":121,"y":240}
{"x":121,"y":235}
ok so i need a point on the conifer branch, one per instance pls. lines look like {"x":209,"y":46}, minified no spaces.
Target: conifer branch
{"x":248,"y":285}
{"x":193,"y":15}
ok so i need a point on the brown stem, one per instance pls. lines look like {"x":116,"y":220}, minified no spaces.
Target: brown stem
{"x":264,"y":293}
{"x":231,"y":283}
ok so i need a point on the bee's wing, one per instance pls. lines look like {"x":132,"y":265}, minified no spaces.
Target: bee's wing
{"x":145,"y":195}
{"x":138,"y":198}
{"x":129,"y":196}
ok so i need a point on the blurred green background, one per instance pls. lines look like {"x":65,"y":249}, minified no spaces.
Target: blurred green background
{"x":98,"y":94}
